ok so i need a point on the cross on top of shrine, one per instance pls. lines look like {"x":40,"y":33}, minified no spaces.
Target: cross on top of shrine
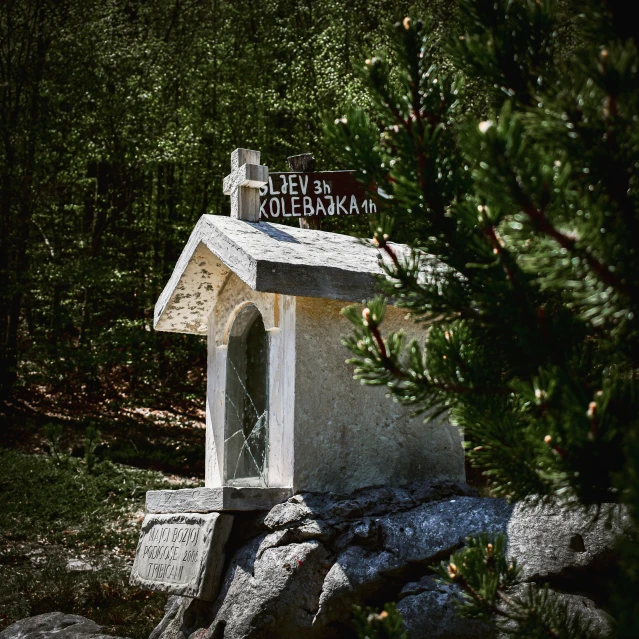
{"x":243,"y":183}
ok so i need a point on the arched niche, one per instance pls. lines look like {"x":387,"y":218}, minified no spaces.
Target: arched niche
{"x":232,"y":298}
{"x":247,"y":400}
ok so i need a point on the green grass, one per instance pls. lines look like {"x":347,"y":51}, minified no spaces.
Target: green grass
{"x":53,"y":510}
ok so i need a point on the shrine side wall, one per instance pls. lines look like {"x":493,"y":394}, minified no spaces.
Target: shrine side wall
{"x":348,"y":436}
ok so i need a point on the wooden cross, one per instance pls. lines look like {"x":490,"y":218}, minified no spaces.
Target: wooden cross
{"x":243,"y":183}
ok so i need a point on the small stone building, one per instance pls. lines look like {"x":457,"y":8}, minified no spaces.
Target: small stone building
{"x":283,"y":413}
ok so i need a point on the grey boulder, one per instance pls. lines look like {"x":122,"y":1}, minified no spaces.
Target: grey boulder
{"x":272,"y":590}
{"x":550,"y":541}
{"x":574,"y":610}
{"x":429,"y":612}
{"x":392,"y":549}
{"x":600,"y":624}
{"x":54,"y":625}
{"x":303,"y":577}
{"x":298,"y":570}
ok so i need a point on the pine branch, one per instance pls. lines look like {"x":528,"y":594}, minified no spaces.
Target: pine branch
{"x":543,"y":225}
{"x":387,"y":362}
{"x":485,"y":575}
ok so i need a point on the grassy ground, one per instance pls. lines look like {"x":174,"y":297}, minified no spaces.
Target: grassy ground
{"x":68,"y":533}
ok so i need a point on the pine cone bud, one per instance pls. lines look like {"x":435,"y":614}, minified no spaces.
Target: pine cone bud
{"x":485,"y":125}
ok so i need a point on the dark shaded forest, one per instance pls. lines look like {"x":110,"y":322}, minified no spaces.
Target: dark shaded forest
{"x":117,"y":120}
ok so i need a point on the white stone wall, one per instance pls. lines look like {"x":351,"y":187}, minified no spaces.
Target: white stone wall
{"x":347,"y":435}
{"x":327,"y":432}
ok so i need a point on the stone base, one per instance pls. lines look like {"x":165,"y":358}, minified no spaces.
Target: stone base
{"x":208,"y":500}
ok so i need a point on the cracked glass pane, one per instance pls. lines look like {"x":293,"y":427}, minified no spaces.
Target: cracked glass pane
{"x":247,"y":400}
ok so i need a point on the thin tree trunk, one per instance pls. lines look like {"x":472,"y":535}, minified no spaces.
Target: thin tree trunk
{"x":15,"y":268}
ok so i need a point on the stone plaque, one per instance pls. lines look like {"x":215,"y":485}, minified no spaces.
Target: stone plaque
{"x":182,"y":554}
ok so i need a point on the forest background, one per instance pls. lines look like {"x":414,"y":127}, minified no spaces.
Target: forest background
{"x":117,"y":120}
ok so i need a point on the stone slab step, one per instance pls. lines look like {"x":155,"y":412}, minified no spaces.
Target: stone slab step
{"x":208,"y":500}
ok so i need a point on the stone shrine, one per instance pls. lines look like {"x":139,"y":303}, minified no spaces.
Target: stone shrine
{"x":283,"y":413}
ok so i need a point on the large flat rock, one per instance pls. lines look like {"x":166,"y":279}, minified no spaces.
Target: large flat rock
{"x":182,"y":554}
{"x":54,"y":625}
{"x":556,"y":541}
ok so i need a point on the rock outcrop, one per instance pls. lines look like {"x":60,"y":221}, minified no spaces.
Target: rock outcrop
{"x":54,"y":625}
{"x":298,"y":570}
{"x":303,"y":566}
{"x":558,"y":544}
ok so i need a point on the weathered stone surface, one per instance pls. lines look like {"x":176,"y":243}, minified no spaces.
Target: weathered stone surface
{"x":182,"y":554}
{"x":316,"y":409}
{"x":553,"y":541}
{"x":600,"y":623}
{"x":429,"y":612}
{"x":334,"y":422}
{"x":274,"y":583}
{"x":54,"y":625}
{"x":404,"y":544}
{"x":172,"y":624}
{"x":366,"y":502}
{"x":594,"y":622}
{"x":318,"y":554}
{"x":271,"y":590}
{"x":208,"y":500}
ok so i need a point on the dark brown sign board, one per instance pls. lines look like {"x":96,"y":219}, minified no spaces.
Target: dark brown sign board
{"x":323,"y":193}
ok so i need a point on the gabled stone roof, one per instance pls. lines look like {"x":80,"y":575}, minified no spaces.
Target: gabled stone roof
{"x":267,"y":257}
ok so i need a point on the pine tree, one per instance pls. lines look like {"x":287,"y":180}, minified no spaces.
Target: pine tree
{"x":511,"y":171}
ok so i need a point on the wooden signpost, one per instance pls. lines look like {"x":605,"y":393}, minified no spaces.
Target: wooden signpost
{"x":302,"y":193}
{"x":316,"y":194}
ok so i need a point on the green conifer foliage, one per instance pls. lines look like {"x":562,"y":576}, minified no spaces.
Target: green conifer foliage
{"x":386,"y":624}
{"x":512,"y":173}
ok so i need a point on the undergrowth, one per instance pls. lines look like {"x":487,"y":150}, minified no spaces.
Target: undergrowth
{"x":68,"y":533}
